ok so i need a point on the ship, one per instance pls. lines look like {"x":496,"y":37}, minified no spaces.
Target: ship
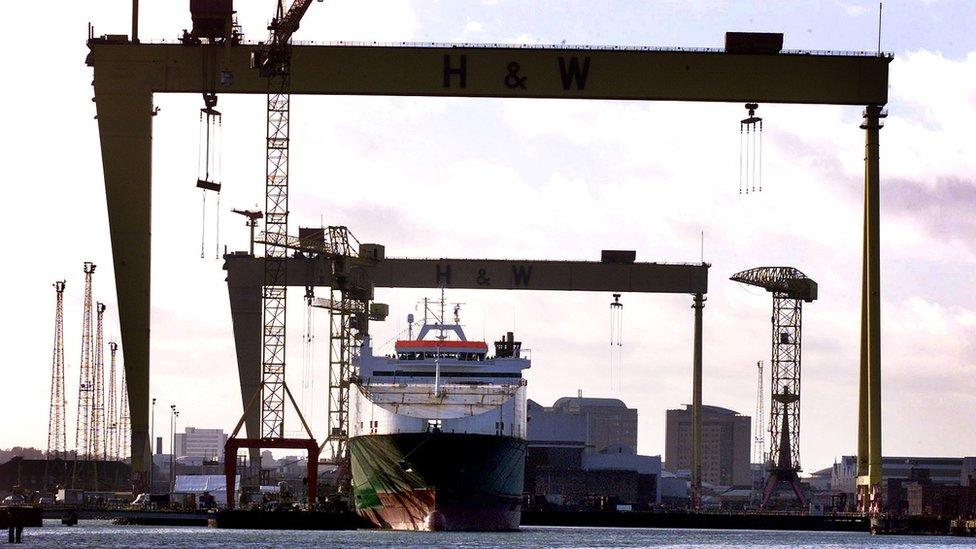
{"x":437,"y":430}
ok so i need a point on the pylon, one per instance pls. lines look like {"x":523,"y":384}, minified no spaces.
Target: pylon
{"x":84,"y":467}
{"x":57,"y":436}
{"x":85,"y":385}
{"x":124,"y":426}
{"x":98,"y":376}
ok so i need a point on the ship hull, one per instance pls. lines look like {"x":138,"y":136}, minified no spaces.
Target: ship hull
{"x":438,"y":481}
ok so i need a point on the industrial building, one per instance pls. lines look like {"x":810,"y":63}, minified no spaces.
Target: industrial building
{"x":607,"y":421}
{"x":47,"y":476}
{"x":581,"y":455}
{"x":726,"y":438}
{"x":914,"y":485}
{"x":207,"y":444}
{"x":941,"y":470}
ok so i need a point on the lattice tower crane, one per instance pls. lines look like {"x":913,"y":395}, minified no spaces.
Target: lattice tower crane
{"x":85,"y":469}
{"x":274,"y":63}
{"x":85,"y":385}
{"x":99,"y":446}
{"x":790,"y":288}
{"x":125,"y":432}
{"x":57,"y":438}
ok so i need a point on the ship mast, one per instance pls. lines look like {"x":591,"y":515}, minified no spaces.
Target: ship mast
{"x":440,"y":320}
{"x":437,"y":350}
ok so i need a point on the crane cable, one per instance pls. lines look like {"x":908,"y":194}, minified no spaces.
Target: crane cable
{"x":750,"y":151}
{"x":741,"y":145}
{"x":616,"y":338}
{"x":760,"y":153}
{"x":308,"y":362}
{"x":209,"y":162}
{"x":218,"y":167}
{"x":203,"y":223}
{"x":203,"y":192}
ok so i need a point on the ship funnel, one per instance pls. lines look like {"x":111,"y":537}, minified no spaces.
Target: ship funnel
{"x":507,"y":347}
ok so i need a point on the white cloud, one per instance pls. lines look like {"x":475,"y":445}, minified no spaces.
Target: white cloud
{"x":852,"y":10}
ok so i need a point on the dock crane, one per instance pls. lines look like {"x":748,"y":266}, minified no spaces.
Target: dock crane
{"x":350,"y":309}
{"x":273,"y":63}
{"x":790,"y":288}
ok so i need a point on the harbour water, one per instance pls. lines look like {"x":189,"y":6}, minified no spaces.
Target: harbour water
{"x":105,"y":534}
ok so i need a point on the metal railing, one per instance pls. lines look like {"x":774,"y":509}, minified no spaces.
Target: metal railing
{"x":497,"y":45}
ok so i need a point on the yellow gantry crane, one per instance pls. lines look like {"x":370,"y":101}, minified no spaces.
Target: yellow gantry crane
{"x":751,"y":68}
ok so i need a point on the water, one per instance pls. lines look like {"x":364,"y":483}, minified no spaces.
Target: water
{"x":105,"y":534}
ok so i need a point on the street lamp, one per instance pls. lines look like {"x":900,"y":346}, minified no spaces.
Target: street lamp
{"x":172,"y":451}
{"x":177,"y":414}
{"x":152,"y":444}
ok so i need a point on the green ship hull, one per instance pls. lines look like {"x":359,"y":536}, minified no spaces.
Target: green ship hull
{"x":438,"y":481}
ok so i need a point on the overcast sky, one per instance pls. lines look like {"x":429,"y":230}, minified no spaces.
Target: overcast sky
{"x":531,"y":179}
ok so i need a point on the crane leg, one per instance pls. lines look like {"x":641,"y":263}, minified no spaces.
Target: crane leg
{"x":125,"y":132}
{"x":696,"y":405}
{"x":245,"y":313}
{"x":869,"y":409}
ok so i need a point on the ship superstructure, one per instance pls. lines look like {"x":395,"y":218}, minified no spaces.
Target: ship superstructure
{"x":437,"y":431}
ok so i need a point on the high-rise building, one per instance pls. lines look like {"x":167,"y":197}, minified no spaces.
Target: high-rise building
{"x":726,"y":439}
{"x":207,"y":444}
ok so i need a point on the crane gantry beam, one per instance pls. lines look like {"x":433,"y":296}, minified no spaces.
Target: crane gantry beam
{"x":127,"y":74}
{"x":245,"y":277}
{"x":471,"y":70}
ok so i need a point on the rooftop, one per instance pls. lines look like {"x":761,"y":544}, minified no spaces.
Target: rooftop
{"x":589,"y":402}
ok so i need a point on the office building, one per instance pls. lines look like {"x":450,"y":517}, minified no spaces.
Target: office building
{"x":207,"y":444}
{"x":726,"y":441}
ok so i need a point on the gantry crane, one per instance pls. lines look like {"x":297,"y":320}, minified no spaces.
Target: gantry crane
{"x":790,"y":288}
{"x":127,"y":75}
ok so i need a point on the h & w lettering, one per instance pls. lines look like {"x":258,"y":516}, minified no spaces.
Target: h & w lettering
{"x":571,"y":73}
